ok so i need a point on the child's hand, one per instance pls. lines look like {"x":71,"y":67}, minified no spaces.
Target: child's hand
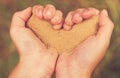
{"x":81,"y":61}
{"x":35,"y":60}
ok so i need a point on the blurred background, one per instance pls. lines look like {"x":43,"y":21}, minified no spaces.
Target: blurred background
{"x":109,"y":66}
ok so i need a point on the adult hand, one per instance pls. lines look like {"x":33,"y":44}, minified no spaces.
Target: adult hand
{"x":35,"y":60}
{"x":81,"y":62}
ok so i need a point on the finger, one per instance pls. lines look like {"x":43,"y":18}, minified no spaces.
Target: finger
{"x":20,"y":18}
{"x":89,"y":12}
{"x":22,"y":35}
{"x":105,"y":26}
{"x":67,"y":27}
{"x":57,"y":20}
{"x":68,"y":21}
{"x":77,"y":18}
{"x":58,"y":26}
{"x":49,"y":12}
{"x":38,"y":10}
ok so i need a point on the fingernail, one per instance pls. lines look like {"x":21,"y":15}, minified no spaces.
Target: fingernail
{"x":105,"y":12}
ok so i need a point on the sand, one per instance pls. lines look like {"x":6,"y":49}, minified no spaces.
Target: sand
{"x":63,"y":41}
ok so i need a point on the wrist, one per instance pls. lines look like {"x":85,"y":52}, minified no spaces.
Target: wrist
{"x":72,"y":74}
{"x":69,"y":75}
{"x":30,"y":70}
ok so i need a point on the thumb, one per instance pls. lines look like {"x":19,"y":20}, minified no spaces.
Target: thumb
{"x":20,"y":18}
{"x":105,"y":26}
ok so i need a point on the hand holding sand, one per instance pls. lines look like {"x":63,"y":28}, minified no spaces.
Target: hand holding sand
{"x":42,"y":61}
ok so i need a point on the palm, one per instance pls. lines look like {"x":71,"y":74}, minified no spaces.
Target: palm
{"x":31,"y":49}
{"x":84,"y":57}
{"x":81,"y":61}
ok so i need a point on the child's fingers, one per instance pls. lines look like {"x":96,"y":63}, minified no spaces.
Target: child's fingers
{"x":58,"y":26}
{"x":49,"y":12}
{"x":57,"y":17}
{"x":77,"y":16}
{"x":38,"y":11}
{"x":68,"y":21}
{"x":89,"y":12}
{"x":57,"y":20}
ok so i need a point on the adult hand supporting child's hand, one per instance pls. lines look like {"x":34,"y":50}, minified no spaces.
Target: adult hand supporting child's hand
{"x":81,"y":62}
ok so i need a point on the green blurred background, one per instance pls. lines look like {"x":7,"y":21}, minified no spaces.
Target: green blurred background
{"x":110,"y":65}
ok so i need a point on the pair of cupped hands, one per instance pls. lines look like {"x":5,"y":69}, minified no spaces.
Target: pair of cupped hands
{"x":36,"y":61}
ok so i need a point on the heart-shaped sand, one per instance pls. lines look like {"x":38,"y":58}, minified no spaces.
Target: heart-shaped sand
{"x":61,"y":40}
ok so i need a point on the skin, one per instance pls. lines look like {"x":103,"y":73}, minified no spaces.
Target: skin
{"x":50,"y":14}
{"x":79,"y":63}
{"x":33,"y":55}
